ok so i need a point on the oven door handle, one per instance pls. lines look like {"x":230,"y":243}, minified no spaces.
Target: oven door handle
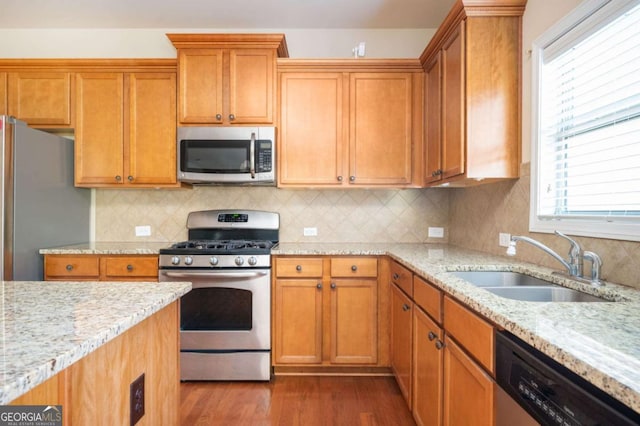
{"x":252,"y":155}
{"x":216,"y":275}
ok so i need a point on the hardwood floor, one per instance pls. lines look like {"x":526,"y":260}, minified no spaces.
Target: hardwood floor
{"x":295,"y":400}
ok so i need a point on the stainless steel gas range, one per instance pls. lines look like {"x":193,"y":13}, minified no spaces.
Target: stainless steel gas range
{"x":225,"y":321}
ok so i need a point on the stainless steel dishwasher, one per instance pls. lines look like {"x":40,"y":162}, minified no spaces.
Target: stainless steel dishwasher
{"x":549,"y":392}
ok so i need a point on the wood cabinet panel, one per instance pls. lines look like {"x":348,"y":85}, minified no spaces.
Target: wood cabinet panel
{"x":298,"y":321}
{"x":468,"y":390}
{"x":428,"y":361}
{"x":99,"y":130}
{"x":151,"y":145}
{"x":40,"y":98}
{"x":312,"y":141}
{"x":380,"y":128}
{"x":3,"y":93}
{"x":251,"y":86}
{"x":71,"y":267}
{"x":354,"y":321}
{"x":428,"y":298}
{"x":401,"y":341}
{"x":402,"y":277}
{"x":472,"y":332}
{"x":292,"y":267}
{"x":200,"y":85}
{"x":131,"y":267}
{"x":433,"y":119}
{"x":354,"y":267}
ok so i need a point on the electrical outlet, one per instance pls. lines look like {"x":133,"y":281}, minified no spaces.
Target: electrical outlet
{"x":143,"y":231}
{"x":136,"y":399}
{"x":436,"y":232}
{"x":310,"y":232}
{"x":504,"y":239}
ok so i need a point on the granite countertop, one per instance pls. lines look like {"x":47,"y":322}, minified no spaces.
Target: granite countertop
{"x":47,"y":326}
{"x":598,"y":341}
{"x":152,"y":247}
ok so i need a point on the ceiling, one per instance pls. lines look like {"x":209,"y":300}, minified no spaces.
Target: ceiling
{"x":223,"y":14}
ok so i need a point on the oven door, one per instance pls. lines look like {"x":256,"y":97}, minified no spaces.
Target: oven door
{"x":226,"y":310}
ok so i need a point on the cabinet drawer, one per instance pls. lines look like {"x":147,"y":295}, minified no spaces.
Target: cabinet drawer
{"x":71,"y":267}
{"x":354,"y":267}
{"x":402,"y":277}
{"x":298,"y":267}
{"x":135,"y":267}
{"x":428,"y":297}
{"x":471,"y":331}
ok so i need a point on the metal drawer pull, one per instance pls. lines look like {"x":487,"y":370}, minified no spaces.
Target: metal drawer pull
{"x":118,"y":178}
{"x":130,"y":178}
{"x":129,"y":267}
{"x":333,"y":285}
{"x":232,"y":117}
{"x":218,"y":116}
{"x":69,"y":267}
{"x":396,"y":276}
{"x":352,"y":178}
{"x":405,"y":307}
{"x":432,"y":335}
{"x":298,"y":268}
{"x":354,"y":268}
{"x":339,"y":178}
{"x":439,"y":344}
{"x":319,"y":285}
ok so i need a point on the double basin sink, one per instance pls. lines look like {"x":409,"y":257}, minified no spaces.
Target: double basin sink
{"x":514,"y":285}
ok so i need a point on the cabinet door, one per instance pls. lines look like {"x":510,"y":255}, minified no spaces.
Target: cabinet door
{"x":468,"y":390}
{"x":3,"y":93}
{"x":432,"y":119}
{"x":200,"y":86}
{"x":99,"y":129}
{"x":427,"y":369}
{"x":251,"y":86}
{"x":453,"y":104}
{"x":354,"y":321}
{"x":152,"y":129}
{"x":380,"y":135}
{"x":401,"y":334}
{"x":312,"y":147}
{"x":298,"y":321}
{"x":130,"y":268}
{"x":40,"y":98}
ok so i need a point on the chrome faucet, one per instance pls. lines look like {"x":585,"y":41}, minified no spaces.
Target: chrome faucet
{"x":575,"y":262}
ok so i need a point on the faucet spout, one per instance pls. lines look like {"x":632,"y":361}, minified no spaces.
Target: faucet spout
{"x":515,"y":238}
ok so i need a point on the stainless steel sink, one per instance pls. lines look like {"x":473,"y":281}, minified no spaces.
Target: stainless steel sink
{"x":517,"y":286}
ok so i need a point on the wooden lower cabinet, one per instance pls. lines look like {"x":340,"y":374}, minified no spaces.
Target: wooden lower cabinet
{"x":320,"y":319}
{"x":427,"y":369}
{"x":468,"y":389}
{"x":401,"y":335}
{"x":95,"y":389}
{"x":92,"y":267}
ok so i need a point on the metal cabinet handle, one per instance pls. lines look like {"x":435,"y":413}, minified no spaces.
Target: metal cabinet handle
{"x":339,"y":178}
{"x":333,"y":285}
{"x":118,"y":178}
{"x":319,"y":286}
{"x":130,"y":178}
{"x":129,"y":267}
{"x":396,"y":276}
{"x":218,"y":117}
{"x":352,"y":178}
{"x":354,"y":268}
{"x":232,"y":117}
{"x":439,"y":344}
{"x":405,"y":307}
{"x":298,"y":268}
{"x":432,"y":335}
{"x":69,"y":267}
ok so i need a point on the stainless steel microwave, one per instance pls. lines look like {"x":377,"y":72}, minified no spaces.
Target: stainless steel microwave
{"x":226,"y":155}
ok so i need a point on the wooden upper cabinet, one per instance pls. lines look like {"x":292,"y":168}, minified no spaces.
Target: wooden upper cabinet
{"x":99,"y":130}
{"x":227,"y":79}
{"x":346,"y":123}
{"x":312,"y":143}
{"x":3,"y":93}
{"x":40,"y":98}
{"x":473,"y":94}
{"x":126,"y":129}
{"x":152,"y":129}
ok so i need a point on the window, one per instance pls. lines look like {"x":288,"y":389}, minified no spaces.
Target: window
{"x":586,"y":123}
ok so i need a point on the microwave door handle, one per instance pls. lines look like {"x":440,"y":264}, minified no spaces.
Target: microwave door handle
{"x":252,"y":156}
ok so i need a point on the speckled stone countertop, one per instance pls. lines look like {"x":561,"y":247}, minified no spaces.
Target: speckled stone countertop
{"x":108,"y":248}
{"x":598,"y":341}
{"x":47,"y":326}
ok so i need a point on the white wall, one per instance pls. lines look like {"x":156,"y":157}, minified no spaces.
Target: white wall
{"x":152,"y":43}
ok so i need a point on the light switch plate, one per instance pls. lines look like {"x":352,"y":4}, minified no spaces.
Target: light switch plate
{"x":504,"y":239}
{"x":310,"y":232}
{"x":436,"y":232}
{"x":143,"y":231}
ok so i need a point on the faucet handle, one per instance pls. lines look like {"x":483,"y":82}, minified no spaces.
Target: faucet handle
{"x":575,"y":254}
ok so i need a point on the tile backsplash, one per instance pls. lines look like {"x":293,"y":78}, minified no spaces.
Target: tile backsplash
{"x":355,"y":215}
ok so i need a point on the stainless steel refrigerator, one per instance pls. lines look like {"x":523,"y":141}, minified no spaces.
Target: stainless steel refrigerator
{"x":40,"y":206}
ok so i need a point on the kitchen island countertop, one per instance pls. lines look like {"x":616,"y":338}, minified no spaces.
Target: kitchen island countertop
{"x":598,"y":341}
{"x":47,"y":326}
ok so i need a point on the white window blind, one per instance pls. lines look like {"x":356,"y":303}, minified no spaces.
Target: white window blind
{"x":588,"y":130}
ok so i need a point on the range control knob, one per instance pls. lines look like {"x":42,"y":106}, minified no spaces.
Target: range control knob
{"x":188,"y":260}
{"x":213,"y":260}
{"x":175,"y":260}
{"x":252,"y":261}
{"x":239,"y":261}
